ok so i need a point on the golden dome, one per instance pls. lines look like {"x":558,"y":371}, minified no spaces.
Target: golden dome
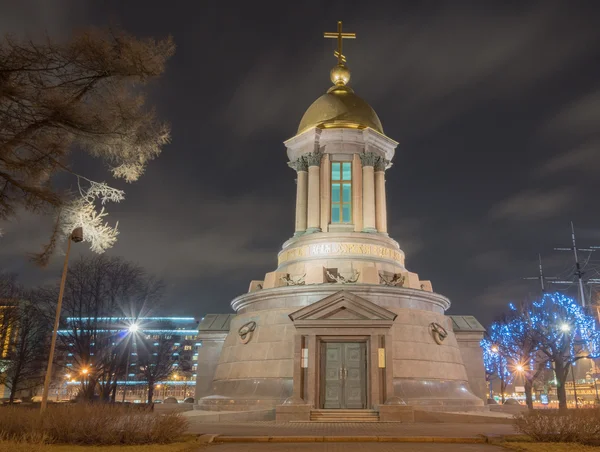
{"x":340,"y":108}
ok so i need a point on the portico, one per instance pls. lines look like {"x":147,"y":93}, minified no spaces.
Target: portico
{"x":340,"y":353}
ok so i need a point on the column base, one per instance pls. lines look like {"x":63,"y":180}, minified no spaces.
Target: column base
{"x":312,"y":230}
{"x":370,"y":230}
{"x":299,"y":233}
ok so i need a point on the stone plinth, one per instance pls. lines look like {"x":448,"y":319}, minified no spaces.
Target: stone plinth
{"x":396,"y":413}
{"x":287,"y":413}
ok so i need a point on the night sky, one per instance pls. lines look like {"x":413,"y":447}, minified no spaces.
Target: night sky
{"x":496,"y":106}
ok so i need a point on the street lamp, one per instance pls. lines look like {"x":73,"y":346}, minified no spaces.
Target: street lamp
{"x":565,"y":328}
{"x":75,"y":236}
{"x":84,"y":372}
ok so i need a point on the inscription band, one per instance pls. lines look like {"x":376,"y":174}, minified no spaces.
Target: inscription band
{"x":343,"y":248}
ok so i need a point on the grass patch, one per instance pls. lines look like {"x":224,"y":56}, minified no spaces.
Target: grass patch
{"x":549,"y":447}
{"x":12,"y":446}
{"x":86,"y":424}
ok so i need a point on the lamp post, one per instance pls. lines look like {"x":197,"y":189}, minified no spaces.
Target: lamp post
{"x":132,"y":330}
{"x":75,"y":236}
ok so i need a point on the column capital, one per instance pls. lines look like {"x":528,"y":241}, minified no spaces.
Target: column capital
{"x":381,"y":164}
{"x":299,"y":164}
{"x":368,"y":158}
{"x":314,"y":158}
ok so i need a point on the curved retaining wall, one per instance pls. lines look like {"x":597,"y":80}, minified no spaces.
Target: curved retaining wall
{"x":260,"y":373}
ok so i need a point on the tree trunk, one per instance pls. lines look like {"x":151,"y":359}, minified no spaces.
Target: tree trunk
{"x":529,"y":393}
{"x":13,"y":390}
{"x":150,"y":391}
{"x":502,"y":389}
{"x":561,"y":373}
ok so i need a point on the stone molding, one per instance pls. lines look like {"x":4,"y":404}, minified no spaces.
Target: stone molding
{"x":369,"y":159}
{"x":313,"y":158}
{"x":277,"y":293}
{"x":300,"y":164}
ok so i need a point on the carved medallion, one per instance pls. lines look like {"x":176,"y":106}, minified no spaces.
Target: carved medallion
{"x":438,"y":332}
{"x":246,"y":331}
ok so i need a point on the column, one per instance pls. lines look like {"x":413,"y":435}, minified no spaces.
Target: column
{"x":313,"y":222}
{"x":301,"y":168}
{"x":380,"y":202}
{"x":325,"y":192}
{"x":368,"y":160}
{"x":357,"y":213}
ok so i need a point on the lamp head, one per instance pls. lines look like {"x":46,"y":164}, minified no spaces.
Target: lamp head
{"x":77,"y":235}
{"x":133,"y":327}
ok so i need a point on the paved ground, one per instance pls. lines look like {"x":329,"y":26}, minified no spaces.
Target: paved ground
{"x":351,"y":447}
{"x":271,"y":428}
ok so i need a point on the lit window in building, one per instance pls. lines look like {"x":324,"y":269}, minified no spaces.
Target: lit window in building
{"x":341,"y":192}
{"x":187,"y":347}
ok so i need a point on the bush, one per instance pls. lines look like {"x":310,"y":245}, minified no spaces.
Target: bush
{"x":581,"y":426}
{"x":90,"y":424}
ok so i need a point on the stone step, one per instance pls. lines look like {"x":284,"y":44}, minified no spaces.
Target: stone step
{"x":344,"y":416}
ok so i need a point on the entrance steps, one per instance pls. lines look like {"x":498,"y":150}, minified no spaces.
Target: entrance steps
{"x":344,"y":416}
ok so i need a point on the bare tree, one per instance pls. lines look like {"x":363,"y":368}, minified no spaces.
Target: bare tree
{"x":82,"y":95}
{"x":99,"y":292}
{"x":23,"y":360}
{"x":155,"y":358}
{"x":8,"y":297}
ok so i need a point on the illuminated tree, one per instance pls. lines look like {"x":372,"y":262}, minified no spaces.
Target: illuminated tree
{"x":522,"y":345}
{"x":564,"y":334}
{"x":497,"y":354}
{"x":84,"y":95}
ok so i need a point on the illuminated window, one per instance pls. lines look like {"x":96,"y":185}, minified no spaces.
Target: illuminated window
{"x":187,"y":347}
{"x":341,"y":192}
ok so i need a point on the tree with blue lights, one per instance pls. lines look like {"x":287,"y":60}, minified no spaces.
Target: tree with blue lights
{"x":526,"y":359}
{"x":552,"y":331}
{"x":564,"y":333}
{"x":496,"y":354}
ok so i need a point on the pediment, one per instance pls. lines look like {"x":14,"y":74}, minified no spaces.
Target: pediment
{"x":343,"y":309}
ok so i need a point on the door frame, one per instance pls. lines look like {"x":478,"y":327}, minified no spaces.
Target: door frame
{"x":320,"y":361}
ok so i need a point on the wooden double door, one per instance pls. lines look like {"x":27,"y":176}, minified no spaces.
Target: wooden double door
{"x":343,"y":375}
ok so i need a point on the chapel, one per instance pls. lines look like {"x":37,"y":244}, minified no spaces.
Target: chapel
{"x":341,"y":328}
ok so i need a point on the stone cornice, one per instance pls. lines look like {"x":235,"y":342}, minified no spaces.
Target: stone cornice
{"x":324,"y":290}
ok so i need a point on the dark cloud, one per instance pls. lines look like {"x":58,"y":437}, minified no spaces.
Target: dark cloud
{"x":534,"y":205}
{"x":495,"y":106}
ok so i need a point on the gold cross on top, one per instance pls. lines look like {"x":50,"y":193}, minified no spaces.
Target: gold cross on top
{"x":340,"y":37}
